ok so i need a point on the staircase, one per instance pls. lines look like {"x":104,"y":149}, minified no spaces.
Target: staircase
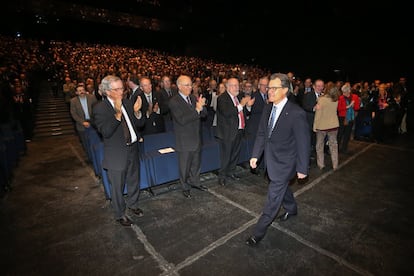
{"x":52,"y":115}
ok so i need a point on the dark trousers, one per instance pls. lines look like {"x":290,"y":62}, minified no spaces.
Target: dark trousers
{"x":189,"y":167}
{"x":128,"y":177}
{"x":229,"y":155}
{"x":278,"y":193}
{"x":84,"y":141}
{"x":344,"y":134}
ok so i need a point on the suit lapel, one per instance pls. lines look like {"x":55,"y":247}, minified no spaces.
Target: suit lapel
{"x":282,"y":116}
{"x":80,"y":107}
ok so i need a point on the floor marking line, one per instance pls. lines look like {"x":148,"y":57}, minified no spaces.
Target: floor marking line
{"x":305,"y":242}
{"x":86,"y":166}
{"x":321,"y":251}
{"x":325,"y":175}
{"x":191,"y":259}
{"x":162,"y":262}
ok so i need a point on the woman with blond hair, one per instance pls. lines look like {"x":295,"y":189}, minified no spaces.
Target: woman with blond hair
{"x":326,"y":124}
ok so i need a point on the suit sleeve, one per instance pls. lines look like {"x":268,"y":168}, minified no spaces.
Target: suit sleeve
{"x":73,"y":111}
{"x":302,"y":137}
{"x":308,"y":103}
{"x":259,"y":143}
{"x":105,"y":120}
{"x":226,"y":107}
{"x":181,"y":113}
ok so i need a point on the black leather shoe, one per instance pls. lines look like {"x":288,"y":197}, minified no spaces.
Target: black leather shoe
{"x":187,"y":194}
{"x":137,"y":212}
{"x":222,"y":182}
{"x":255,"y":171}
{"x":124,"y":221}
{"x":286,"y":216}
{"x":252,"y":241}
{"x":235,"y":177}
{"x":303,"y":181}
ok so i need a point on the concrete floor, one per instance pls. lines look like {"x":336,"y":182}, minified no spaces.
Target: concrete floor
{"x":357,"y":220}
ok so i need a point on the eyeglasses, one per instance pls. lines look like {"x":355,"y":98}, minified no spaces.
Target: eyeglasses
{"x":186,"y":84}
{"x":118,"y":89}
{"x":274,"y":88}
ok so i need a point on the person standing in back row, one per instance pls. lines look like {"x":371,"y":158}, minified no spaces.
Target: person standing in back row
{"x":309,"y":104}
{"x":186,"y":111}
{"x":231,"y":120}
{"x":283,"y":139}
{"x":326,"y":125}
{"x":81,"y":112}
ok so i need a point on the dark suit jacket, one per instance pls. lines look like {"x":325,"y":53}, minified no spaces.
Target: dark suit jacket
{"x":115,"y":148}
{"x":134,"y":94}
{"x":164,"y":100}
{"x":155,"y":122}
{"x":227,"y":117}
{"x":186,"y":123}
{"x":255,"y":114}
{"x":287,"y":150}
{"x":309,"y":101}
{"x":77,"y":113}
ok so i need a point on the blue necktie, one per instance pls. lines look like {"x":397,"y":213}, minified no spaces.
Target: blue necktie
{"x":271,"y":121}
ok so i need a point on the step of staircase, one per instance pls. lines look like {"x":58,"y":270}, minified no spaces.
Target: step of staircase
{"x":52,"y":116}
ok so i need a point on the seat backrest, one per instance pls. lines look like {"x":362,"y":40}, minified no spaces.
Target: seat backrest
{"x":158,"y":141}
{"x":207,"y":135}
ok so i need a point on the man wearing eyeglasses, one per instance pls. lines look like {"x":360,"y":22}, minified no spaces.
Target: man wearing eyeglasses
{"x":283,"y":139}
{"x":186,"y":111}
{"x":117,"y":119}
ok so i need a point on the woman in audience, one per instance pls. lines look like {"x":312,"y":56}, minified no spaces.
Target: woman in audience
{"x":326,"y":125}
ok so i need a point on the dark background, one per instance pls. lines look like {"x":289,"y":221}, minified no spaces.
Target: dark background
{"x":348,"y":40}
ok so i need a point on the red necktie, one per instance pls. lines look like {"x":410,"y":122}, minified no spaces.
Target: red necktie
{"x":241,"y":116}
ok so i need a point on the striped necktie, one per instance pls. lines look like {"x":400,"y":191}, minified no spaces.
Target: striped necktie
{"x":272,"y":120}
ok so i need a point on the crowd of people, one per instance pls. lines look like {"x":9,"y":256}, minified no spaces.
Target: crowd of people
{"x":128,"y":93}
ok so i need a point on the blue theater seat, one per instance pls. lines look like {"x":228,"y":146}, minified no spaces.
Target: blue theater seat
{"x":162,"y":168}
{"x":210,"y":151}
{"x":245,"y":151}
{"x":93,"y":140}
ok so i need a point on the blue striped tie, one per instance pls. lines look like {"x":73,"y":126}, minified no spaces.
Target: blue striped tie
{"x":271,"y":121}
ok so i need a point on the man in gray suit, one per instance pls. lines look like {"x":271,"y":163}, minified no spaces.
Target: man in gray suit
{"x":283,"y":138}
{"x":81,"y":112}
{"x":186,"y":111}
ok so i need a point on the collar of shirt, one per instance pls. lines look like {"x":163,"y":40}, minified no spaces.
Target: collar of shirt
{"x":184,"y":96}
{"x":280,"y":105}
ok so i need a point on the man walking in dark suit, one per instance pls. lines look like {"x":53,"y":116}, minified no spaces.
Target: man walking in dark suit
{"x":117,"y":120}
{"x":283,"y":138}
{"x":230,"y":128}
{"x":186,"y":111}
